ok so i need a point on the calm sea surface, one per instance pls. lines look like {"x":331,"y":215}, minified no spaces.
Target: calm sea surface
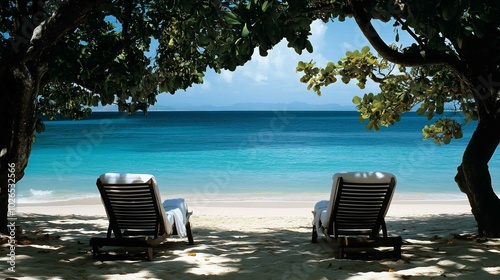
{"x":281,"y":154}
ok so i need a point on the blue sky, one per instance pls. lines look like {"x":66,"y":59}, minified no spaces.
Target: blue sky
{"x":272,"y":79}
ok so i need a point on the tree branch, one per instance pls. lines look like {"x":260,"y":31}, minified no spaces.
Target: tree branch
{"x":68,"y":16}
{"x":20,"y":11}
{"x":376,"y":79}
{"x":412,"y":34}
{"x":127,"y":20}
{"x":426,"y":57}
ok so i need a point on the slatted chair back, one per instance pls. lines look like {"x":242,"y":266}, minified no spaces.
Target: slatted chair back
{"x":133,"y":206}
{"x":361,"y":202}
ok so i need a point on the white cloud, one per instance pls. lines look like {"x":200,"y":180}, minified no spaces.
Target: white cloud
{"x":227,"y":76}
{"x":259,"y":78}
{"x":275,"y":66}
{"x":318,"y":31}
{"x":279,"y":65}
{"x":273,"y":78}
{"x":207,"y":85}
{"x":347,"y":46}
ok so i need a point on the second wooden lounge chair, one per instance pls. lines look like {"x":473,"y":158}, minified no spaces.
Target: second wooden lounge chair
{"x":136,"y":215}
{"x":355,"y":215}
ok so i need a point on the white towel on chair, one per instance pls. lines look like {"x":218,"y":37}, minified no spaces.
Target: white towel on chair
{"x":320,"y":212}
{"x":176,"y":210}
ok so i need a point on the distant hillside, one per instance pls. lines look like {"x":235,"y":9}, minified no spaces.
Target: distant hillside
{"x":296,"y":106}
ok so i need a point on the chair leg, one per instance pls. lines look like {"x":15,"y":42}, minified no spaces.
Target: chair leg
{"x":397,"y":248}
{"x":384,"y":229}
{"x":150,"y":253}
{"x":314,"y":238}
{"x":95,"y":252}
{"x":189,"y":233}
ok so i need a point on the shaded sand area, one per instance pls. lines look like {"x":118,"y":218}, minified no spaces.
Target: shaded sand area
{"x":252,"y":240}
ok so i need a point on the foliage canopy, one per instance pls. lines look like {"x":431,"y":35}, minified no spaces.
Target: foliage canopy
{"x":128,"y":52}
{"x":447,"y":46}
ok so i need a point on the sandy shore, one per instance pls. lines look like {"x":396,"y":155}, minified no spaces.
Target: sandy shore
{"x":251,"y":240}
{"x":251,"y":206}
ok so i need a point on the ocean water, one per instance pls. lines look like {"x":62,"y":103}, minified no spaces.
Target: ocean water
{"x":280,"y":154}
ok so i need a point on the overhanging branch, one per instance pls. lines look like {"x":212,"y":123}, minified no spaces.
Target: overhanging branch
{"x":376,"y":79}
{"x":70,"y":14}
{"x":426,"y":57}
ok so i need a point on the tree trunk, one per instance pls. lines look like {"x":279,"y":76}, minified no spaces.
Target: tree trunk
{"x":17,"y":127}
{"x":473,"y":177}
{"x":20,"y":76}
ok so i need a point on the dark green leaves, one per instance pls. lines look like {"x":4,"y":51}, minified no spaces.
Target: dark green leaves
{"x":39,"y":126}
{"x":316,"y":77}
{"x":231,"y":18}
{"x":443,"y":130}
{"x":101,"y":64}
{"x":450,"y":10}
{"x":432,"y":88}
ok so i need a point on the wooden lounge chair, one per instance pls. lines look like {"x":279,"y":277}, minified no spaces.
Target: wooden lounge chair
{"x":355,"y":215}
{"x":136,"y":215}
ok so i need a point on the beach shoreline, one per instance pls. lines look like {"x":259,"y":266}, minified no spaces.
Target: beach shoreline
{"x":250,"y":206}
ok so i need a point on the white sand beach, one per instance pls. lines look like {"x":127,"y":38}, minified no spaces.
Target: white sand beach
{"x":251,"y":240}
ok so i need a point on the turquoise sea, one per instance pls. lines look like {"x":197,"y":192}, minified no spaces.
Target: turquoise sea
{"x":280,"y":154}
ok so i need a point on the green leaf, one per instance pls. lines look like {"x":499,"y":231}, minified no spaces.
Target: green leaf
{"x":266,"y":5}
{"x":365,"y":50}
{"x":95,"y":101}
{"x":479,"y":29}
{"x":262,"y":51}
{"x":330,"y":67}
{"x":369,"y":125}
{"x":232,"y":18}
{"x":450,"y":10}
{"x":446,"y":139}
{"x":440,"y":109}
{"x":309,"y":46}
{"x":420,"y":111}
{"x":40,"y":126}
{"x":300,"y":66}
{"x":245,"y":31}
{"x":458,"y":134}
{"x":356,"y":100}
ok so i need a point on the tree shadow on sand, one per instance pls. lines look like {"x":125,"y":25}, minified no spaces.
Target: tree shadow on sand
{"x":434,"y":246}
